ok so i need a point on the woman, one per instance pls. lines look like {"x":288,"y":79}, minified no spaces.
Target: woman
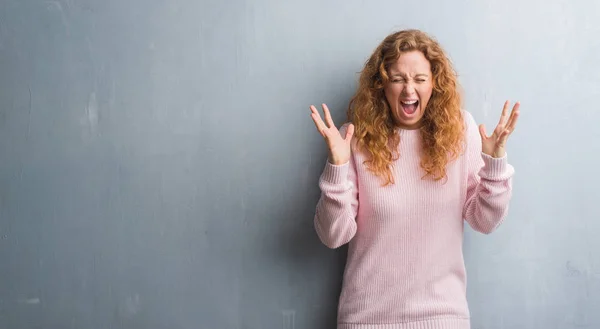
{"x":400,"y":180}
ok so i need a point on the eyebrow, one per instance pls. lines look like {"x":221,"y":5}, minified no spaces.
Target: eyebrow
{"x":403,"y":75}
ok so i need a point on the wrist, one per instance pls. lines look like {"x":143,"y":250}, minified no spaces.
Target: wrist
{"x":337,"y":161}
{"x":498,"y":154}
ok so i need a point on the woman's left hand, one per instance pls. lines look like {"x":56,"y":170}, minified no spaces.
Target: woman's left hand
{"x":494,"y":145}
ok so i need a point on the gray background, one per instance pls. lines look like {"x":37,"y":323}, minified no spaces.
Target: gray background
{"x":159,"y":166}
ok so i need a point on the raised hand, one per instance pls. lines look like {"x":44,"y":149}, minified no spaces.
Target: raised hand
{"x":339,"y":146}
{"x":494,"y":145}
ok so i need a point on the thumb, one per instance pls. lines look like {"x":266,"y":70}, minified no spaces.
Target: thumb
{"x":482,"y":132}
{"x":349,"y":132}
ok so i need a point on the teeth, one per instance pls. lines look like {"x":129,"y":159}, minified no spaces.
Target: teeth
{"x":409,"y":102}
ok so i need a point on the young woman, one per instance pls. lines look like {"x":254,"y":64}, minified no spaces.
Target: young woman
{"x":401,"y":178}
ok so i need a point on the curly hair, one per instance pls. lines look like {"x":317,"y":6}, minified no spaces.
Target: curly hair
{"x":442,"y":125}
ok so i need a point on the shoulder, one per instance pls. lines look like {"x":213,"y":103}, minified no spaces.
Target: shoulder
{"x":468,"y":119}
{"x":471,"y":126}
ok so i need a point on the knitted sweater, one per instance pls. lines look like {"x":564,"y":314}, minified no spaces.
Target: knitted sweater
{"x":405,"y":266}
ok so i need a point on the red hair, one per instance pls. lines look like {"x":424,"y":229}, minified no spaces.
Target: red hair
{"x":442,"y":127}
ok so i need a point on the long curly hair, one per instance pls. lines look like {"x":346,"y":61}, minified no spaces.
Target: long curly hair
{"x":442,"y":128}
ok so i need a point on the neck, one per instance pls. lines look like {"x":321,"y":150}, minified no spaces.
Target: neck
{"x":415,"y":126}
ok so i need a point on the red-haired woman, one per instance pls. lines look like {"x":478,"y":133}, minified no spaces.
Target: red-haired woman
{"x":401,"y":178}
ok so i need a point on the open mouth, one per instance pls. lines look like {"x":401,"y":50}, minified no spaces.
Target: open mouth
{"x":410,"y":106}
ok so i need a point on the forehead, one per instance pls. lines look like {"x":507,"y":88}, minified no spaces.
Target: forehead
{"x":412,"y":62}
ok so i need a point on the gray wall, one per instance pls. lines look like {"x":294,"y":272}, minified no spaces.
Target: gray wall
{"x":159,"y":167}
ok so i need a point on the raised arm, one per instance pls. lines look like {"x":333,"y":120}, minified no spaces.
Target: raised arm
{"x":489,"y":185}
{"x":335,"y":217}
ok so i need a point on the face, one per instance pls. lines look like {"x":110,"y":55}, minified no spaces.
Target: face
{"x":409,"y":88}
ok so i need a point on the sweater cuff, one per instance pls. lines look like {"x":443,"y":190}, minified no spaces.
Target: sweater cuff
{"x":336,"y":174}
{"x":495,"y":167}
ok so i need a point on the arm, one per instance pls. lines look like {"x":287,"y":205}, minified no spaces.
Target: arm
{"x":489,"y":184}
{"x":335,"y":218}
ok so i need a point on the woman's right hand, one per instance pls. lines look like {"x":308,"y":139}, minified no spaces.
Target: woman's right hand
{"x":339,"y":146}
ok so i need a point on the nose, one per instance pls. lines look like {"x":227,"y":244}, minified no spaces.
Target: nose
{"x":409,"y":89}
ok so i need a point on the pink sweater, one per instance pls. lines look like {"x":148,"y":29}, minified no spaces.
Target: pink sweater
{"x":405,"y":267}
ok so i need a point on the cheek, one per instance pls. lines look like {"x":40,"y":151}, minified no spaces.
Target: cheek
{"x":392,"y":93}
{"x":391,"y":96}
{"x":426,"y":92}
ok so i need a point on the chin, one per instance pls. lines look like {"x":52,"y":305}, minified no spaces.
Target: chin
{"x":409,"y":121}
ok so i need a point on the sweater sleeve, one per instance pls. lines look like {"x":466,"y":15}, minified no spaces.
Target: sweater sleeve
{"x":489,"y":184}
{"x":335,"y":217}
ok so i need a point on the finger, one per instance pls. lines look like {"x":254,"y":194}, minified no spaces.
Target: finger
{"x":318,"y":125}
{"x":510,"y":126}
{"x":512,"y":121}
{"x":482,"y":132}
{"x":328,"y":118}
{"x":517,"y":106}
{"x":349,"y":132}
{"x":504,"y":116}
{"x":315,"y":115}
{"x":503,"y":137}
{"x":318,"y":121}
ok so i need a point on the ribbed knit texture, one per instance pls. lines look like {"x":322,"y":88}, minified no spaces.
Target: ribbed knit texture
{"x":405,"y":267}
